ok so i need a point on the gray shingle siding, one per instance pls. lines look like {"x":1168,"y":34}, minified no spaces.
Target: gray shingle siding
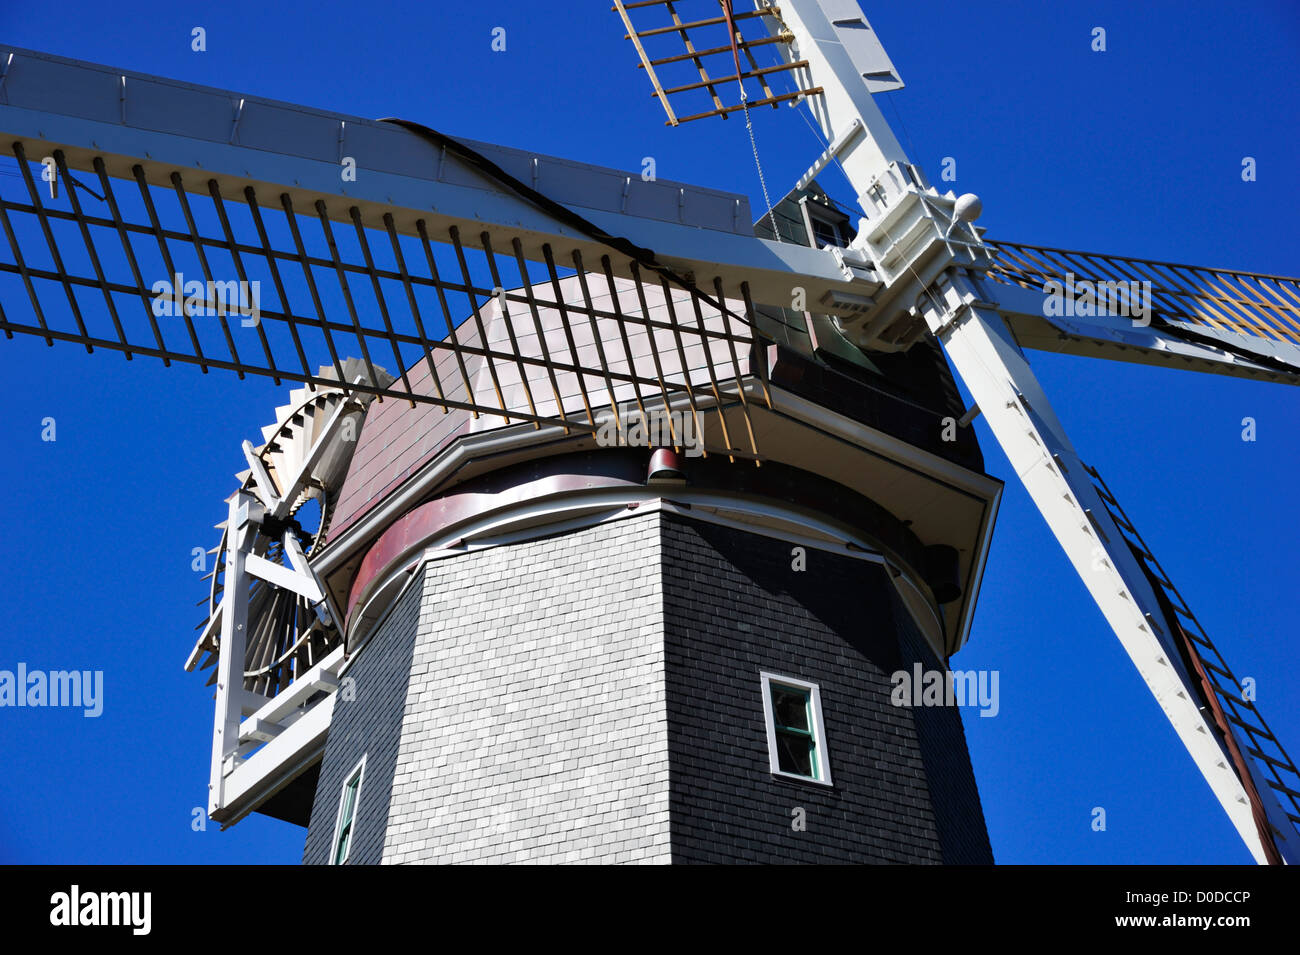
{"x":534,"y":728}
{"x":369,"y":724}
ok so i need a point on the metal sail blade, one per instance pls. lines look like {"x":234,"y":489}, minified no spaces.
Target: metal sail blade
{"x":985,"y":354}
{"x":1220,"y":321}
{"x":677,"y":55}
{"x":706,"y":59}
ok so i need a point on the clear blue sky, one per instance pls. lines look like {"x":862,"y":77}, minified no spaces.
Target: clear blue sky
{"x":1134,"y":151}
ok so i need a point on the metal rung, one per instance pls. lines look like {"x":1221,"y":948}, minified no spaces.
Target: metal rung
{"x":1258,"y":754}
{"x":1224,"y":673}
{"x":1202,"y":636}
{"x":1160,"y":578}
{"x":1253,"y":730}
{"x":762,"y":41}
{"x":770,"y":100}
{"x":1102,"y":492}
{"x":1227,"y":696}
{"x":694,"y":24}
{"x":1121,"y":522}
{"x":1096,"y":525}
{"x":1125,"y":525}
{"x":1282,"y":788}
{"x":718,"y":81}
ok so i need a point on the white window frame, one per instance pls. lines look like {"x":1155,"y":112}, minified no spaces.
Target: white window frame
{"x":819,"y":728}
{"x":829,"y":217}
{"x":358,"y":773}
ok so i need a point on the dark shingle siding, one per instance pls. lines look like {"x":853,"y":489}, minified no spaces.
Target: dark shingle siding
{"x":371,"y":725}
{"x":834,"y":624}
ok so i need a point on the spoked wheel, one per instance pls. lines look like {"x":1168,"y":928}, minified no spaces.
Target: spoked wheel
{"x":304,"y":459}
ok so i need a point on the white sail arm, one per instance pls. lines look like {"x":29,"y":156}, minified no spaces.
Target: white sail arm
{"x":1011,"y":400}
{"x":847,"y":60}
{"x":297,"y":151}
{"x":1116,"y":337}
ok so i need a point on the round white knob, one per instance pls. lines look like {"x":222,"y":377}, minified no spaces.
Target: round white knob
{"x":968,"y":207}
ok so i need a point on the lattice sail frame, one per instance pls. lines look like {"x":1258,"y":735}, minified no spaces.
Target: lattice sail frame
{"x":1234,"y":713}
{"x":486,"y":296}
{"x":1245,"y":303}
{"x":340,"y":288}
{"x":717,"y":43}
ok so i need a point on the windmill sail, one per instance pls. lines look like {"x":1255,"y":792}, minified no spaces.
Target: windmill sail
{"x":273,"y":256}
{"x":1221,"y":321}
{"x":982,"y":348}
{"x":1235,"y":713}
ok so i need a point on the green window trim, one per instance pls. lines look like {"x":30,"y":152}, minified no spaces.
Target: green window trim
{"x":348,"y":800}
{"x":802,"y":740}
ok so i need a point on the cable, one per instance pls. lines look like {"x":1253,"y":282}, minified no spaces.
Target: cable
{"x":565,"y":215}
{"x":898,"y":114}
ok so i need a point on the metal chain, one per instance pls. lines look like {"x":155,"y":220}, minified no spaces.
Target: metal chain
{"x":771,"y":213}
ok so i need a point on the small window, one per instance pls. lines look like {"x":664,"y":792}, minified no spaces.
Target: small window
{"x":825,"y":224}
{"x":796,"y":740}
{"x":348,"y":800}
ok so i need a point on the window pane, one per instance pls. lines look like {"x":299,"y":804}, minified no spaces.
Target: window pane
{"x":825,"y":233}
{"x":345,"y":818}
{"x":790,"y":707}
{"x":345,"y":837}
{"x":794,"y":753}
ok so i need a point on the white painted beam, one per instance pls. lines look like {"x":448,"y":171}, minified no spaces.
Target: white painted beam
{"x":259,"y":775}
{"x":287,"y":578}
{"x":844,"y":56}
{"x":1119,"y":338}
{"x":234,"y":637}
{"x":262,"y":485}
{"x":283,"y":148}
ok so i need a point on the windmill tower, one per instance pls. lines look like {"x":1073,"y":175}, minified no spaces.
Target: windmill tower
{"x":604,"y":514}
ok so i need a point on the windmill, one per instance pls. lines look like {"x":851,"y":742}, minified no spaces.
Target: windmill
{"x":487,"y":242}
